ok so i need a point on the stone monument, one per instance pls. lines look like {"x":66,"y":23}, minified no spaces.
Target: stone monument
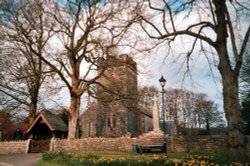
{"x":156,"y":133}
{"x":156,"y":126}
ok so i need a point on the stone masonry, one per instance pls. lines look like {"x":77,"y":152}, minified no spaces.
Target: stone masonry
{"x":180,"y":144}
{"x":9,"y":147}
{"x":116,"y":112}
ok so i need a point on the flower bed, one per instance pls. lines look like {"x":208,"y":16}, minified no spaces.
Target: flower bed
{"x":104,"y":158}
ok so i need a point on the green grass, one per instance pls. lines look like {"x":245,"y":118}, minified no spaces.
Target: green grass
{"x":46,"y":163}
{"x":103,"y":158}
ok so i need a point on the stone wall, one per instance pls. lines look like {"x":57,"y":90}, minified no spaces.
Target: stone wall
{"x":197,"y":144}
{"x":174,"y":144}
{"x":112,"y":144}
{"x":9,"y":147}
{"x":92,"y":144}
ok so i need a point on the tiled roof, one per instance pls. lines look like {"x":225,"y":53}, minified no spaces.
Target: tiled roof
{"x":54,"y":122}
{"x":10,"y":129}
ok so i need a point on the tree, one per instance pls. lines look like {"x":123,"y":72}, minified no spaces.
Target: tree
{"x":207,"y":113}
{"x":191,"y":110}
{"x":245,"y":74}
{"x":22,"y":72}
{"x":214,"y":28}
{"x":146,"y":95}
{"x":5,"y":122}
{"x":245,"y":86}
{"x":180,"y":106}
{"x":185,"y":108}
{"x":246,"y":113}
{"x":77,"y":38}
{"x":85,"y":32}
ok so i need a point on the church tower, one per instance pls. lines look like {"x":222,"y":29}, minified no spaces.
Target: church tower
{"x":117,"y":99}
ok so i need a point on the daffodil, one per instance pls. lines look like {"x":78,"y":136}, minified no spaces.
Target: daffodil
{"x":155,"y":157}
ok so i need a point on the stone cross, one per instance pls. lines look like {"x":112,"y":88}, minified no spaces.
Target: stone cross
{"x":156,"y":126}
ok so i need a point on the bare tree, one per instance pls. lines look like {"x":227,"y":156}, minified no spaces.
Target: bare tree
{"x":245,"y":74}
{"x":187,"y":109}
{"x":86,"y":32}
{"x":75,"y":39}
{"x":245,"y":90}
{"x":22,"y":73}
{"x":191,"y":110}
{"x":146,"y":95}
{"x":207,"y":113}
{"x":217,"y":26}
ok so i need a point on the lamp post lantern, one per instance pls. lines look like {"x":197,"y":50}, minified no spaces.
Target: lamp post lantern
{"x":162,"y":83}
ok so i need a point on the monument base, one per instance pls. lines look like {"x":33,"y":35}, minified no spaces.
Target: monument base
{"x":154,"y":133}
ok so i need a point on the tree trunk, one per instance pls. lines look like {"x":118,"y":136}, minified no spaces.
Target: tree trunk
{"x":32,"y":112}
{"x":208,"y":127}
{"x":73,"y":115}
{"x":230,"y":76}
{"x":235,"y":129}
{"x":236,"y":137}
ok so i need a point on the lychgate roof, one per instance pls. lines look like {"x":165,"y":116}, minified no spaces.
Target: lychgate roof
{"x":54,"y":122}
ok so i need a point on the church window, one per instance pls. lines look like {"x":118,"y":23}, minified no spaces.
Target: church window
{"x":90,"y":128}
{"x":109,"y":122}
{"x":114,"y":121}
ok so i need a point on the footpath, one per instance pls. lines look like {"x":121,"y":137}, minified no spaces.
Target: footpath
{"x":20,"y":159}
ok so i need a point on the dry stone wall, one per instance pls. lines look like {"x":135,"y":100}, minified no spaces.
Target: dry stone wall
{"x":197,"y":144}
{"x":113,"y":144}
{"x":175,"y":144}
{"x":14,"y":147}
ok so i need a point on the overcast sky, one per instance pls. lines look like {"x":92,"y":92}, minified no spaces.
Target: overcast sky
{"x":203,"y":77}
{"x":200,"y":79}
{"x":172,"y":66}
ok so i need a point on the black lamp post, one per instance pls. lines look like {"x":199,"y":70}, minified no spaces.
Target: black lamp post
{"x":163,"y":82}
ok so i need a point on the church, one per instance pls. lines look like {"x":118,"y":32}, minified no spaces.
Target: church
{"x":116,"y":111}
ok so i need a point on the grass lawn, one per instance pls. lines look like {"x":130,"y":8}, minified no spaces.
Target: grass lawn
{"x":111,"y":158}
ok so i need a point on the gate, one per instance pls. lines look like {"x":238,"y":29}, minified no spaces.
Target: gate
{"x":39,"y":146}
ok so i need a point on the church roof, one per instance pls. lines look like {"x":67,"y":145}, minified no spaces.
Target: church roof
{"x":54,"y":122}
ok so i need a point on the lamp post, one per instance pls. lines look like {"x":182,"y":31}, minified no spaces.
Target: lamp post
{"x":162,"y":83}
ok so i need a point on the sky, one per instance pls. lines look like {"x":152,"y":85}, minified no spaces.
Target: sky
{"x":200,"y":80}
{"x":203,"y":77}
{"x":158,"y":63}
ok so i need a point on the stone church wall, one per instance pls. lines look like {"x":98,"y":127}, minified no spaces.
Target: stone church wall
{"x":88,"y":122}
{"x":115,"y":115}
